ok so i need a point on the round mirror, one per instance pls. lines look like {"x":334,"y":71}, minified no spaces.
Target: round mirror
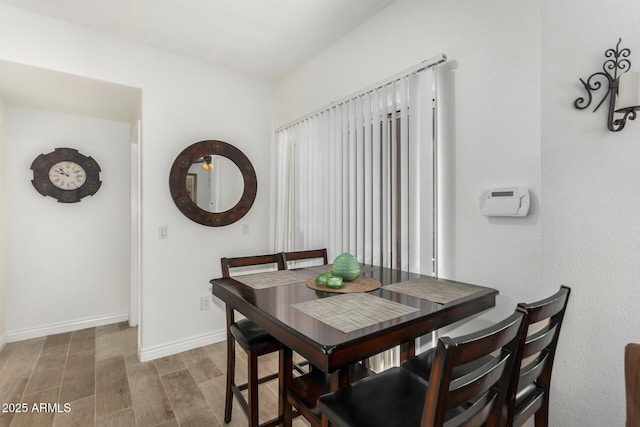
{"x":213,"y":183}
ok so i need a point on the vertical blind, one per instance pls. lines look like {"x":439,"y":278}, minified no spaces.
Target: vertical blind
{"x":359,"y":177}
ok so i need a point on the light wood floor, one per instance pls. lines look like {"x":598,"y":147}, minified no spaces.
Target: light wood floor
{"x":95,"y":378}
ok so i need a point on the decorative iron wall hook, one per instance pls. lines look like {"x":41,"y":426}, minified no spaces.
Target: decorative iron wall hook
{"x":608,"y":80}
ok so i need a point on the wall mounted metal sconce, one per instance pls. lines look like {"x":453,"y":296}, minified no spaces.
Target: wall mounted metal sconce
{"x":620,"y":85}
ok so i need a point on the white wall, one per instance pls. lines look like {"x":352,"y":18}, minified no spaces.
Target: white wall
{"x":508,"y":118}
{"x":3,"y":240}
{"x":591,"y":230}
{"x":184,"y":101}
{"x":489,"y":122}
{"x":67,"y":262}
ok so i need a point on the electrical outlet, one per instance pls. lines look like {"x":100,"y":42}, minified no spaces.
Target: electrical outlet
{"x":205,"y":303}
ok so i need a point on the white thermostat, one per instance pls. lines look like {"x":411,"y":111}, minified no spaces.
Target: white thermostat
{"x":505,"y":202}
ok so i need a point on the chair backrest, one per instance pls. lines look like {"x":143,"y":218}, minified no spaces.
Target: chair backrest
{"x":632,"y":383}
{"x":477,"y":397}
{"x":544,"y":321}
{"x":246,"y":261}
{"x":304,"y":255}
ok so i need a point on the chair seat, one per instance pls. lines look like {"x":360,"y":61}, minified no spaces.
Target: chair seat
{"x":251,"y":336}
{"x":393,"y":398}
{"x":304,"y":390}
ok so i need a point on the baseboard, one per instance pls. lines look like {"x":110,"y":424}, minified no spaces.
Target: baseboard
{"x":158,"y":351}
{"x":59,"y":328}
{"x":3,"y":341}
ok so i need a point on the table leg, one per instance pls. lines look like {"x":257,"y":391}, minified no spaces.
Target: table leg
{"x":285,"y":359}
{"x":339,"y":379}
{"x":407,"y":350}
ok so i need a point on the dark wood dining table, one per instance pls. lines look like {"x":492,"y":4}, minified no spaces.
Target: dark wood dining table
{"x":331,"y":350}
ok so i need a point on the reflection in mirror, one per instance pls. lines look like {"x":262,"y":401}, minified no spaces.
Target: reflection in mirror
{"x":226,"y":160}
{"x":214,"y":183}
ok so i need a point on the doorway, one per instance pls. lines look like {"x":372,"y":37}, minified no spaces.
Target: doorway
{"x":69,"y":265}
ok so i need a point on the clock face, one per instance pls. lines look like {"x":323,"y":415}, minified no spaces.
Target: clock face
{"x":67,"y":175}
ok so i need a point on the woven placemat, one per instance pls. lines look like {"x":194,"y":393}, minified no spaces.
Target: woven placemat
{"x":350,"y":312}
{"x":272,"y":278}
{"x":361,"y":284}
{"x":433,"y":290}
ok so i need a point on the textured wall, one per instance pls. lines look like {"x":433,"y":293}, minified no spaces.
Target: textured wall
{"x":590,"y":205}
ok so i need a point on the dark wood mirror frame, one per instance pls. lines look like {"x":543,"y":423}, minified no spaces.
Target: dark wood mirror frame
{"x":178,"y":179}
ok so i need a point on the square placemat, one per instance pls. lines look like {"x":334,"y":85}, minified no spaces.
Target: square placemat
{"x":433,"y":290}
{"x":350,"y":312}
{"x":270,"y":279}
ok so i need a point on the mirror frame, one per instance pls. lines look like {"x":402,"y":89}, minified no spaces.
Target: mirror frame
{"x":178,"y":186}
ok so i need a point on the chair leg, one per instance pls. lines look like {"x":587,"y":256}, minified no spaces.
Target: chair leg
{"x":252,"y":370}
{"x":542,"y":416}
{"x":284,"y":381}
{"x":231,"y":370}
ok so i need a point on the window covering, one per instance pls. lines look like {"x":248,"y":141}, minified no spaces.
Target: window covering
{"x":359,"y":176}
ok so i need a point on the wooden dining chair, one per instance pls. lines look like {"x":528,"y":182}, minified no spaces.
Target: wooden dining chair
{"x":398,"y":397}
{"x":528,"y":392}
{"x":288,"y":257}
{"x":632,"y":383}
{"x":532,"y":385}
{"x":254,"y":340}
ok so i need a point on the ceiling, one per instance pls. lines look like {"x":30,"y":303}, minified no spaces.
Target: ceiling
{"x":269,"y":38}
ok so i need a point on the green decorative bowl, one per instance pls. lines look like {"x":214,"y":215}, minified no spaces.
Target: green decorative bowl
{"x":334,"y":282}
{"x":322,"y":278}
{"x":346,"y":266}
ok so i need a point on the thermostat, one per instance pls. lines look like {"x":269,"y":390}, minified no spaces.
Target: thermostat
{"x":505,"y":202}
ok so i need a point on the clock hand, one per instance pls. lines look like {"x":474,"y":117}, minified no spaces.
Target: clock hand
{"x":62,"y":172}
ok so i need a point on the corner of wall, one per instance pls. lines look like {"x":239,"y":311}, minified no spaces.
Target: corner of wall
{"x":3,"y":277}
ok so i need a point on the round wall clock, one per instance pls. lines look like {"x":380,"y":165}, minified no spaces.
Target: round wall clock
{"x":65,"y":175}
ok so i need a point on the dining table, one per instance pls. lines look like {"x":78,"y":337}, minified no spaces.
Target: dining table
{"x":336,"y":329}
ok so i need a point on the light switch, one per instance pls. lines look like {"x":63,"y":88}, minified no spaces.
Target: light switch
{"x":245,"y":229}
{"x":163,"y":232}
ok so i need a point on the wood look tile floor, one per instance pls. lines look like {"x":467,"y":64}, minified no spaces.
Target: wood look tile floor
{"x":93,"y":377}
